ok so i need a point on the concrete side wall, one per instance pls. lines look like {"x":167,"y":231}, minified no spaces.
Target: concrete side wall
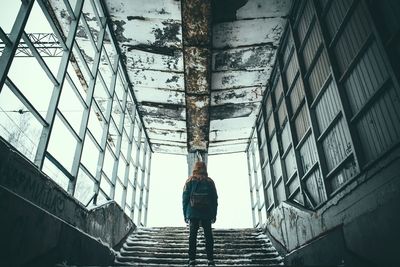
{"x":361,"y":222}
{"x":30,"y":236}
{"x":107,"y":222}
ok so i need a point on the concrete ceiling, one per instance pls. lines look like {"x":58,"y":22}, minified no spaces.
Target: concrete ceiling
{"x":198,"y":68}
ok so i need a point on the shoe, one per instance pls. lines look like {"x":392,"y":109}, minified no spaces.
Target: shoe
{"x":211,"y":263}
{"x":192,"y":263}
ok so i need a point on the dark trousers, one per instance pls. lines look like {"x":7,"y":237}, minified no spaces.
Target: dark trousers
{"x":194,"y":228}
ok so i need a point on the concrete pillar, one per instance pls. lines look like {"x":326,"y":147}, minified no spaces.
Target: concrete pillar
{"x":192,"y":157}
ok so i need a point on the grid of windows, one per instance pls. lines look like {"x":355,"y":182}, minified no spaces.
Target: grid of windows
{"x":69,"y":108}
{"x":331,"y":104}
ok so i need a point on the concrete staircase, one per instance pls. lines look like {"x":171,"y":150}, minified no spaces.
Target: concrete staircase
{"x":169,"y":247}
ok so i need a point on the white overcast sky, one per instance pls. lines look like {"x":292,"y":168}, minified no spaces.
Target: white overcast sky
{"x":229,"y":172}
{"x":169,"y":172}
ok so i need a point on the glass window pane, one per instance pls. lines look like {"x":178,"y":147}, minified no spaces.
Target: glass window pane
{"x":109,"y":46}
{"x":92,"y":21}
{"x":75,"y":74}
{"x":124,"y":144}
{"x":70,"y":106}
{"x":134,"y":154}
{"x":137,"y":197}
{"x":113,"y":134}
{"x":84,"y":189}
{"x":101,"y":199}
{"x":78,"y":67}
{"x":55,"y":174}
{"x":105,"y":185}
{"x":128,"y":125}
{"x":137,"y":132}
{"x":95,"y":124}
{"x":62,"y":144}
{"x":18,"y":126}
{"x":90,"y":155}
{"x":117,"y":112}
{"x":129,"y":194}
{"x":121,"y":168}
{"x":108,"y":163}
{"x":119,"y":189}
{"x":33,"y":84}
{"x":42,"y":36}
{"x":105,"y":70}
{"x":119,"y":88}
{"x":101,"y":95}
{"x":135,"y":215}
{"x":8,"y":14}
{"x":127,"y":210}
{"x":82,"y":38}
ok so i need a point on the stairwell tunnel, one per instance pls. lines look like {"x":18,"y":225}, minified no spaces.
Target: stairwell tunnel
{"x":106,"y":104}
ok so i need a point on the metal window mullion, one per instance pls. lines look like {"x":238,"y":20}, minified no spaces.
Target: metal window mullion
{"x":97,"y":109}
{"x":147,"y":186}
{"x":383,"y":50}
{"x":138,"y":147}
{"x":126,"y":177}
{"x":84,"y":122}
{"x":14,"y":38}
{"x":91,"y":136}
{"x":96,"y":12}
{"x":103,"y":145}
{"x":279,"y":139}
{"x":108,"y":59}
{"x":82,"y":59}
{"x":143,"y":172}
{"x":290,"y":124}
{"x":76,"y":91}
{"x":249,"y":171}
{"x":54,"y":161}
{"x":89,"y":33}
{"x":26,"y":102}
{"x":343,"y":101}
{"x":70,"y":11}
{"x":257,"y":192}
{"x":48,"y":16}
{"x":118,"y":147}
{"x":312,"y":118}
{"x":107,"y":87}
{"x":39,"y":58}
{"x":129,"y":165}
{"x":268,"y":144}
{"x":4,"y":38}
{"x":68,"y":125}
{"x":56,"y":94}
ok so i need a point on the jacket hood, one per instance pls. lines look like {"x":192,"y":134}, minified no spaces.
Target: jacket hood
{"x":200,"y":169}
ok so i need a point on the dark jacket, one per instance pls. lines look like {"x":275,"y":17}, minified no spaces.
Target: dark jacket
{"x":192,"y":213}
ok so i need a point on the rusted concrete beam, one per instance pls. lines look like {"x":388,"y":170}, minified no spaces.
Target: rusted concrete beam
{"x":197,"y":42}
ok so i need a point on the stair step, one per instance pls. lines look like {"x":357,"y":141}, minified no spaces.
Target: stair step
{"x":242,"y":261}
{"x":185,"y":245}
{"x":168,"y":246}
{"x":237,"y":255}
{"x":200,"y":248}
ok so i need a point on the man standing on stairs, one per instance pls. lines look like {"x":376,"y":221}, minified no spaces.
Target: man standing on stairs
{"x":200,"y":201}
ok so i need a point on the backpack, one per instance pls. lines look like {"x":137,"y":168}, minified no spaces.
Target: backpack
{"x":199,"y":198}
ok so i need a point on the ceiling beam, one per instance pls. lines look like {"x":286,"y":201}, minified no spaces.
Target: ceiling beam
{"x":197,"y":53}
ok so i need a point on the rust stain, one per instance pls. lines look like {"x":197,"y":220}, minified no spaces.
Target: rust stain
{"x":196,"y":22}
{"x":196,"y":32}
{"x":197,"y":69}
